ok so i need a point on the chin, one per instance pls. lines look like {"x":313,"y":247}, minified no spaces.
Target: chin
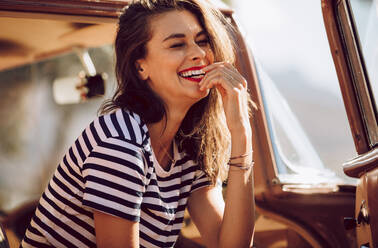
{"x":192,"y":90}
{"x":199,"y":95}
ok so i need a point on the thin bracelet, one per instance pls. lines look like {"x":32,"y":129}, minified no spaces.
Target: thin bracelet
{"x":242,"y":166}
{"x":241,"y":156}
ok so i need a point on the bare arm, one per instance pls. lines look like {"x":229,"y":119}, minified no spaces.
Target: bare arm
{"x":229,"y":224}
{"x":234,"y":226}
{"x":206,"y":208}
{"x":115,"y":232}
{"x":238,"y":219}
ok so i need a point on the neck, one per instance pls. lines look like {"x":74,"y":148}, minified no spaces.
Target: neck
{"x":163,"y":132}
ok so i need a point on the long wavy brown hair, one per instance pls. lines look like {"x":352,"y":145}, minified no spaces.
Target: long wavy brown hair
{"x":203,"y":133}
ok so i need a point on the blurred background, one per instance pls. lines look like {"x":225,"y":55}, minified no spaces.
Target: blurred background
{"x":300,"y":89}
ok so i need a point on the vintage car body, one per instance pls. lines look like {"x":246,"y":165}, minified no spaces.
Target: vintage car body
{"x":362,"y":113}
{"x":305,"y":215}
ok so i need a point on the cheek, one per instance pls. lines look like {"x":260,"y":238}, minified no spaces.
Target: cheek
{"x":170,"y":60}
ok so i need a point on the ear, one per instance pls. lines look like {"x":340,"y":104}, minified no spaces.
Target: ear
{"x":141,"y":68}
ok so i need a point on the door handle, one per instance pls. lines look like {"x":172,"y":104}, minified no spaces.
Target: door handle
{"x":363,"y":214}
{"x":362,"y":217}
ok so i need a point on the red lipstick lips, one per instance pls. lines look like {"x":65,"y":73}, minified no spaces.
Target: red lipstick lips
{"x":190,"y":78}
{"x":194,"y":79}
{"x":194,"y":68}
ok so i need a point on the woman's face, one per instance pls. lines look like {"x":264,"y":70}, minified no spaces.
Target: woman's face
{"x":178,"y":49}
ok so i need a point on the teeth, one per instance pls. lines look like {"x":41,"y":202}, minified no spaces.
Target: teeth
{"x":192,"y":73}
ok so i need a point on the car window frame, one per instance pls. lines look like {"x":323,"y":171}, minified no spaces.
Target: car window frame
{"x":354,"y":85}
{"x":104,"y":9}
{"x":358,"y":68}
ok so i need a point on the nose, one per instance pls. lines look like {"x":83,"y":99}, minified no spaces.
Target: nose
{"x":197,"y":52}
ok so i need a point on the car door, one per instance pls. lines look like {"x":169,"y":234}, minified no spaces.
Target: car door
{"x":352,"y":33}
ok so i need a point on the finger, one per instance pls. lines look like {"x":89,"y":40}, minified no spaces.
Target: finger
{"x":209,"y":77}
{"x":237,"y":79}
{"x":213,"y":66}
{"x":217,"y":80}
{"x":220,"y":69}
{"x":236,"y":75}
{"x":226,"y":74}
{"x":233,"y":74}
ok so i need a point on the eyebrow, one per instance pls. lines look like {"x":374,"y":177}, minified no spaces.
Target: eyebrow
{"x":180,"y":35}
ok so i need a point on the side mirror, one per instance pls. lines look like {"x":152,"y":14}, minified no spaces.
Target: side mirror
{"x":86,"y":85}
{"x":70,"y":90}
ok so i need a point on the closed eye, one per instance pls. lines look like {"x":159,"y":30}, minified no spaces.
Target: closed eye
{"x":204,"y":42}
{"x":176,"y":45}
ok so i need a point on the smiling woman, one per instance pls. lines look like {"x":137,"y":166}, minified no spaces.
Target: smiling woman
{"x":177,"y":124}
{"x":176,"y":35}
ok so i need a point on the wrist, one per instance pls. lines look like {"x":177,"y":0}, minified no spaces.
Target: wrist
{"x":241,"y":132}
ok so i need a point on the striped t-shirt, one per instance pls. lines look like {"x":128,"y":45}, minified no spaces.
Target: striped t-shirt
{"x":111,"y":168}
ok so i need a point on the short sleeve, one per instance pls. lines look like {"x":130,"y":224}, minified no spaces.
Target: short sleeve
{"x":114,"y":178}
{"x":200,"y":180}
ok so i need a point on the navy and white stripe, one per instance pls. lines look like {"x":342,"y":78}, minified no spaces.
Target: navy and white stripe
{"x":111,"y":168}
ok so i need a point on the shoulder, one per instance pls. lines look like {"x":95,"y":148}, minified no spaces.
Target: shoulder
{"x":119,"y":137}
{"x":120,"y":124}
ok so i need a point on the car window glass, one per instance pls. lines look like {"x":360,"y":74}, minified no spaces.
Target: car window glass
{"x":365,"y":14}
{"x":306,"y":116}
{"x":35,"y":131}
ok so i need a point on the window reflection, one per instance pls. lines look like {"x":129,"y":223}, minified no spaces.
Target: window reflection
{"x":294,"y":152}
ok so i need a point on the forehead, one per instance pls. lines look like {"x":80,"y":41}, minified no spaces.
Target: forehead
{"x":175,"y":21}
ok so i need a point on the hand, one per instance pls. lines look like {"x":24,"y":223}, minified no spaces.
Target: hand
{"x":233,"y":89}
